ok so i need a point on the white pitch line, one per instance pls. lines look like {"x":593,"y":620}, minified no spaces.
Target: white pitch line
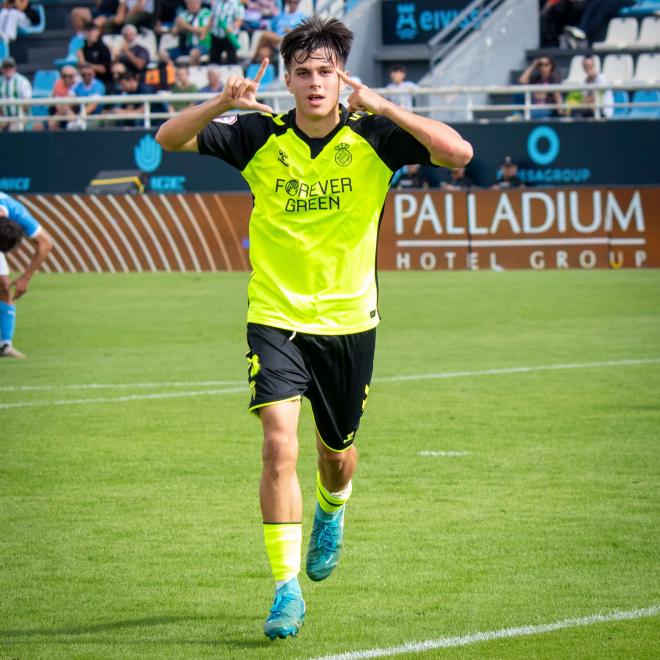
{"x":386,"y":379}
{"x":122,"y":386}
{"x":431,"y":452}
{"x":490,"y":635}
{"x":134,"y":397}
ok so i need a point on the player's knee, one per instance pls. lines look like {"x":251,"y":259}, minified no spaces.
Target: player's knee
{"x":280,"y":452}
{"x":337,"y":459}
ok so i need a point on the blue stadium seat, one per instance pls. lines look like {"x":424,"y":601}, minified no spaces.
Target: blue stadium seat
{"x":269,"y":74}
{"x":4,"y":48}
{"x":621,"y":96}
{"x":641,"y":8}
{"x":75,"y":44}
{"x":646,"y":96}
{"x":43,"y":82}
{"x":40,"y":26}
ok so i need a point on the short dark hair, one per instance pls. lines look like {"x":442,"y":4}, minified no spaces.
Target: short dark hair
{"x":11,"y":234}
{"x":316,"y":33}
{"x":398,"y":67}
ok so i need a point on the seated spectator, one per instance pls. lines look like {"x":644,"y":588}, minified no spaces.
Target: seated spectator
{"x":117,"y":70}
{"x":95,"y":53}
{"x":13,"y":85}
{"x":605,"y":105}
{"x":32,"y":14}
{"x":130,"y":85}
{"x":596,"y":14}
{"x":457,"y":181}
{"x":130,"y":53}
{"x":63,"y":88}
{"x":12,"y":18}
{"x":140,"y":13}
{"x":282,"y":25}
{"x":414,"y":176}
{"x":542,"y":72}
{"x":89,"y":85}
{"x":191,"y":27}
{"x":399,"y":83}
{"x":554,"y":17}
{"x":259,"y":14}
{"x":182,"y":86}
{"x":507,"y":176}
{"x":166,"y":12}
{"x":225,"y":22}
{"x":104,"y":11}
{"x":214,"y":75}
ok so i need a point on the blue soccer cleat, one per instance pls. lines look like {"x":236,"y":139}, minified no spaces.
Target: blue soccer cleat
{"x":288,"y":611}
{"x":325,"y":543}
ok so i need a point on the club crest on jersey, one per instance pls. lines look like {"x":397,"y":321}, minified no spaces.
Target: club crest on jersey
{"x":283,"y":157}
{"x":226,"y":119}
{"x":343,"y":156}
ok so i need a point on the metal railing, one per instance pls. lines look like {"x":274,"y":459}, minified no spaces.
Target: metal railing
{"x":455,"y":101}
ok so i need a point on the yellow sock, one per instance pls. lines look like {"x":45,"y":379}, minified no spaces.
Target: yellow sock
{"x":331,"y":502}
{"x":283,"y":545}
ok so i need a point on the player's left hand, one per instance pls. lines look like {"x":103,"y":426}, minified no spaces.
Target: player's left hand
{"x":20,"y":286}
{"x":362,"y":98}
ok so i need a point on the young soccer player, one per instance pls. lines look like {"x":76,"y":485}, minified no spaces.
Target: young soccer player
{"x":16,"y":222}
{"x":319,"y":175}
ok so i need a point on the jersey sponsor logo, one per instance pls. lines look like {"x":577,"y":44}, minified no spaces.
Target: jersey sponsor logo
{"x":227,"y":119}
{"x":283,"y":157}
{"x":318,"y":196}
{"x":343,"y":156}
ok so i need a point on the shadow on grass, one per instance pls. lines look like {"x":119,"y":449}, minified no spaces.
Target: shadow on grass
{"x":28,"y":635}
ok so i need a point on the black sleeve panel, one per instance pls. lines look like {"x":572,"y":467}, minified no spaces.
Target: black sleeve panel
{"x":395,"y":146}
{"x":235,"y":138}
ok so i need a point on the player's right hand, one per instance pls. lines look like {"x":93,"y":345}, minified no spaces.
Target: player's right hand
{"x":241,"y":93}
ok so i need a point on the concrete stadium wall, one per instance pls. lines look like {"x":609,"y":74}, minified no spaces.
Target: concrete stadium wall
{"x":485,"y":229}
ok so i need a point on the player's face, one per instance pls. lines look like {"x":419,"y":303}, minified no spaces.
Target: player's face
{"x":315,"y":85}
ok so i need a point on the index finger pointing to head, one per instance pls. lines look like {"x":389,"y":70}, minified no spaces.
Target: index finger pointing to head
{"x":346,"y":78}
{"x":262,"y":70}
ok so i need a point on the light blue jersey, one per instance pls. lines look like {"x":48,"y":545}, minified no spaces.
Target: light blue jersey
{"x":19,"y":214}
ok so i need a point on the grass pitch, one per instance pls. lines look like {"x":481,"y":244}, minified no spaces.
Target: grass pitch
{"x":130,"y":525}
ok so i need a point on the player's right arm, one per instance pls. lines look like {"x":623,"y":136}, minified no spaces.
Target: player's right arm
{"x":180,"y":132}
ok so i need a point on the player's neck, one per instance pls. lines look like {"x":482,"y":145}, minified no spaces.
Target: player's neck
{"x":317,"y":127}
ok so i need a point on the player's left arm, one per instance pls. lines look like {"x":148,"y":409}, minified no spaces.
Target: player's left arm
{"x":445,"y":145}
{"x":43,"y":245}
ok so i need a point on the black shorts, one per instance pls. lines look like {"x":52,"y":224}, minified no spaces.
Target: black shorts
{"x":332,"y":371}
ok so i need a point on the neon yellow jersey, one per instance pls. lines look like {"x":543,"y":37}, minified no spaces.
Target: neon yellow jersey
{"x":317,"y":208}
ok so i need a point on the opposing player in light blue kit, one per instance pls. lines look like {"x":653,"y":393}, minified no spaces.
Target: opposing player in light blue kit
{"x":16,"y":222}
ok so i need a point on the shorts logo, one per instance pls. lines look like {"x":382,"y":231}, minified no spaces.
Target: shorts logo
{"x":349,"y":437}
{"x":366,"y":396}
{"x":253,"y":390}
{"x":226,"y":119}
{"x":343,"y":156}
{"x":255,"y":366}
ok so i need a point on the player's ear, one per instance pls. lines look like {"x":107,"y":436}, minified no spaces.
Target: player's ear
{"x":287,"y":80}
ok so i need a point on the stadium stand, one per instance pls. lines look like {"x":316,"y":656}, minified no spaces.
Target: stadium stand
{"x":618,"y":68}
{"x":39,"y":27}
{"x":651,"y":96}
{"x":649,"y":33}
{"x":621,"y":33}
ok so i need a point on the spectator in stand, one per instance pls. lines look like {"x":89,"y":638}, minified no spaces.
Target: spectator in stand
{"x":105,"y":11}
{"x":507,"y":176}
{"x":95,"y":53}
{"x":191,"y":28}
{"x":599,"y":103}
{"x":281,"y":26}
{"x":214,"y":75}
{"x":225,"y":22}
{"x":414,"y":176}
{"x":259,"y":14}
{"x":63,"y":88}
{"x":554,"y":17}
{"x":166,"y":13}
{"x":117,"y":70}
{"x":26,"y":7}
{"x":457,"y":181}
{"x":89,"y":85}
{"x":182,"y":86}
{"x":130,"y":53}
{"x":542,"y":72}
{"x":595,"y":15}
{"x":130,"y":85}
{"x":13,"y":85}
{"x":12,"y":18}
{"x":140,"y":13}
{"x":398,"y":83}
